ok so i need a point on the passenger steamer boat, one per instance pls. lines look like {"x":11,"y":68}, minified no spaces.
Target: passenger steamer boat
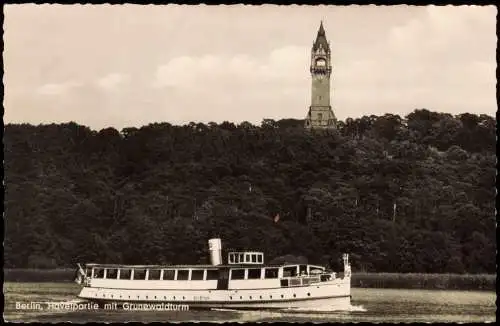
{"x":245,"y":281}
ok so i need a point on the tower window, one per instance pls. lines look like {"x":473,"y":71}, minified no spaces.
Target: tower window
{"x":321,"y":62}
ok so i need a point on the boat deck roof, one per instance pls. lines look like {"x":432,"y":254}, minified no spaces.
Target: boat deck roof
{"x":195,"y":266}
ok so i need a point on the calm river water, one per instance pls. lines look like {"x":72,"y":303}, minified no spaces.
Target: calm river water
{"x":368,"y":305}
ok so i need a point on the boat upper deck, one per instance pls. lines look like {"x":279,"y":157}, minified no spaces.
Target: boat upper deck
{"x":203,"y":266}
{"x":232,"y":272}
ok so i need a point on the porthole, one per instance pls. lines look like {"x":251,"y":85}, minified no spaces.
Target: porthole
{"x":103,"y":295}
{"x":294,"y":295}
{"x":282,"y":296}
{"x":155,"y":296}
{"x":308,"y":294}
{"x":111,"y":295}
{"x":250,"y":297}
{"x":270,"y":297}
{"x":146,"y":297}
{"x":129,"y":296}
{"x":120,"y":296}
{"x":165,"y":297}
{"x":241,"y":297}
{"x":260,"y":297}
{"x":183,"y":297}
{"x":137,"y":297}
{"x":231,"y":298}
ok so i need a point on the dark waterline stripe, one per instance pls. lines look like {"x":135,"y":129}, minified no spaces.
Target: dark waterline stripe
{"x":211,"y":302}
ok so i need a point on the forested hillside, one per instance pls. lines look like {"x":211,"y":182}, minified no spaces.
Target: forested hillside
{"x":412,"y":194}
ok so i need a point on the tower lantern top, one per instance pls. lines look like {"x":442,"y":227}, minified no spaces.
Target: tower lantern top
{"x":321,"y":39}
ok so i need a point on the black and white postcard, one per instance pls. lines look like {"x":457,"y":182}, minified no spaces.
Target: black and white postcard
{"x":238,"y":163}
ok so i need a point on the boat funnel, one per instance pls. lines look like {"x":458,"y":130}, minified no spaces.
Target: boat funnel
{"x":215,"y":248}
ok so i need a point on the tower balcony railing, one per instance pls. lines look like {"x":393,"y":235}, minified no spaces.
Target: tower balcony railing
{"x":321,"y":70}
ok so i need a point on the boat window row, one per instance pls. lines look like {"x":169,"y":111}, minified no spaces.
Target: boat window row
{"x":155,"y":274}
{"x":245,"y":258}
{"x":292,"y":271}
{"x":180,"y":274}
{"x":254,"y":273}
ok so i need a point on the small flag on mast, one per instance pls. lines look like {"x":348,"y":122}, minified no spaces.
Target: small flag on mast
{"x":394,"y":212}
{"x":277,"y":218}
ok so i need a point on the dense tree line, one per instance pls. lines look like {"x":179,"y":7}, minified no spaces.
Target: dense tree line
{"x":412,"y":194}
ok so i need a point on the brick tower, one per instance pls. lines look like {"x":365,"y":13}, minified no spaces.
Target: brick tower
{"x":320,"y":115}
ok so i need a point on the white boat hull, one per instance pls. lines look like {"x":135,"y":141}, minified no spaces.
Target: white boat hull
{"x":332,"y":294}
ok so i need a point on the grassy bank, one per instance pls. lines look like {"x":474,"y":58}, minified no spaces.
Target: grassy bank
{"x":484,"y":282}
{"x":38,"y":275}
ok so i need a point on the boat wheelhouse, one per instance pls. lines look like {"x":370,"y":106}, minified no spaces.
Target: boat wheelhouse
{"x":244,"y":281}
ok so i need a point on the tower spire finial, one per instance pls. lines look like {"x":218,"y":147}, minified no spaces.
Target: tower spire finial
{"x":321,"y":30}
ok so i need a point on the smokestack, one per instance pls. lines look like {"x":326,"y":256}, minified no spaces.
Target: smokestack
{"x":215,"y":248}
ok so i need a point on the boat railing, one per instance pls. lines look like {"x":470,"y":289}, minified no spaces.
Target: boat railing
{"x":299,"y":280}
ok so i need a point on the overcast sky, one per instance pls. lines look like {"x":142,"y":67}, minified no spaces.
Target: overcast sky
{"x":130,"y":65}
